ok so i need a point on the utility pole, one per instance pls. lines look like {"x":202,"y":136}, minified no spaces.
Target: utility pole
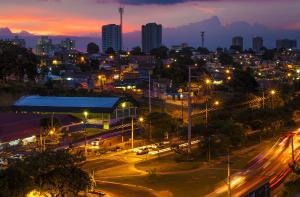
{"x":132,"y":130}
{"x":293,"y":150}
{"x":263,"y":95}
{"x":206,"y":113}
{"x":150,"y":108}
{"x":149,"y":91}
{"x":209,"y":149}
{"x":228,"y":175}
{"x":189,"y":113}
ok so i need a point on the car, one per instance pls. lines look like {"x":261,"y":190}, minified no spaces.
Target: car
{"x":160,"y":145}
{"x":3,"y":162}
{"x":17,"y":156}
{"x":97,"y":142}
{"x":142,"y":151}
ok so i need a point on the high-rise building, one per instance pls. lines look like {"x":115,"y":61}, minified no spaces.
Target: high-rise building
{"x":68,"y":44}
{"x":257,"y":43}
{"x":238,"y":41}
{"x":151,"y":37}
{"x":286,"y":44}
{"x":44,"y":46}
{"x":111,"y":37}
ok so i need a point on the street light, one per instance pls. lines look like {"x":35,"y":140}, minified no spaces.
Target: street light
{"x":181,"y":98}
{"x":123,"y":105}
{"x":215,"y":103}
{"x":85,"y":113}
{"x":141,"y":119}
{"x":272,"y":92}
{"x":208,"y":81}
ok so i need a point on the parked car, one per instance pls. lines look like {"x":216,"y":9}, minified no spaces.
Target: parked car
{"x":97,"y":142}
{"x":3,"y":162}
{"x":142,"y":151}
{"x":17,"y":156}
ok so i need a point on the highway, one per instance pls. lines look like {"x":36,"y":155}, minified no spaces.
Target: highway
{"x":271,"y":166}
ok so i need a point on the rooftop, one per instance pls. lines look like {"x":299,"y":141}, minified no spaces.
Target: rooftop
{"x":67,"y":104}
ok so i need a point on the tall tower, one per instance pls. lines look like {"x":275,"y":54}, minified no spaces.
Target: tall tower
{"x":202,"y":39}
{"x":121,"y":11}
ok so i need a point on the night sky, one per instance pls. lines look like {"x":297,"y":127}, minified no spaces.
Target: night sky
{"x":85,"y":17}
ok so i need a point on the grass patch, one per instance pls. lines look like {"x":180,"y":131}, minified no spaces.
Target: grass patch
{"x":167,"y":164}
{"x":189,"y":184}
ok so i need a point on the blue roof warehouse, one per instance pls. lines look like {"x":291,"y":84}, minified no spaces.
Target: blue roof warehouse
{"x":103,"y":111}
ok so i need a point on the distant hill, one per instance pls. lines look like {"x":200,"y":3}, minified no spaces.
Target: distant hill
{"x":216,"y":35}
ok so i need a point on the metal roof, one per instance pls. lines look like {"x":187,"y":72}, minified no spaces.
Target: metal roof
{"x":67,"y":104}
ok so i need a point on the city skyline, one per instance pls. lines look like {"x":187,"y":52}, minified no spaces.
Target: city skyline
{"x":63,"y":17}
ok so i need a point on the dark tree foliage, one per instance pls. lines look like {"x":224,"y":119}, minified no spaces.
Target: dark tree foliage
{"x":95,"y":64}
{"x":15,"y":182}
{"x":203,"y":51}
{"x":92,"y":48}
{"x":226,"y":59}
{"x":236,"y":48}
{"x":243,"y":81}
{"x":110,"y":51}
{"x":268,"y":55}
{"x":17,"y":62}
{"x":47,"y":123}
{"x":160,"y":53}
{"x":161,"y":123}
{"x":136,"y":51}
{"x":54,"y":172}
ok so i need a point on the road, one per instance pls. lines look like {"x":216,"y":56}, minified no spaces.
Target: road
{"x":271,"y":166}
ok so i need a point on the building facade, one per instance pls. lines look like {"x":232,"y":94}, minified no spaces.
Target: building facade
{"x":68,"y":44}
{"x":286,"y":44}
{"x":151,"y":37}
{"x":44,"y":46}
{"x":238,"y":41}
{"x":257,"y":43}
{"x":111,"y":37}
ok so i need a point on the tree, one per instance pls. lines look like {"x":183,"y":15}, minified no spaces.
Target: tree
{"x":226,"y":59}
{"x":56,"y":173}
{"x":162,"y":124}
{"x":110,"y":51}
{"x":236,"y":48}
{"x":203,"y":51}
{"x":48,"y":123}
{"x":136,"y":51}
{"x":160,"y":53}
{"x":268,"y":55}
{"x":92,"y":48}
{"x":64,"y":181}
{"x":17,"y":61}
{"x":15,"y":182}
{"x":243,"y":81}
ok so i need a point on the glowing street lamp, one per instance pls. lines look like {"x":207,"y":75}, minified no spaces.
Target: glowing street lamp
{"x":85,"y":113}
{"x":208,"y":81}
{"x":272,"y":92}
{"x":217,"y":103}
{"x":140,"y":119}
